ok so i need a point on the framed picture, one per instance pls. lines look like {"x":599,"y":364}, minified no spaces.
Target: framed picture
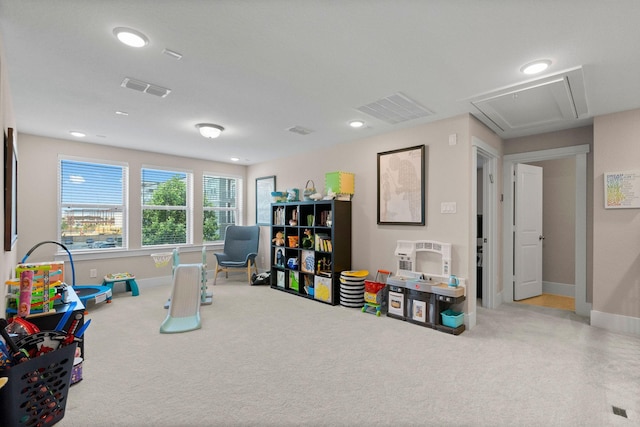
{"x":264,"y":187}
{"x":10,"y":190}
{"x":401,"y":186}
{"x":622,"y":190}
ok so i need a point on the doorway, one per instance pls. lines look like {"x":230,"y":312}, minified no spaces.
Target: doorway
{"x":485,"y":236}
{"x":580,"y":255}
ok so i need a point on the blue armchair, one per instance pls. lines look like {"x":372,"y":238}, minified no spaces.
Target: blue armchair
{"x":240,"y":250}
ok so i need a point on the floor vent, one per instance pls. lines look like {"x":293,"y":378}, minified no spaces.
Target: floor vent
{"x":394,"y":109}
{"x":619,"y":411}
{"x":145,"y":87}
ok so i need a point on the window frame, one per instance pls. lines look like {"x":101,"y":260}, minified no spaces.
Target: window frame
{"x":188,"y":208}
{"x":239,"y":205}
{"x":124,"y":207}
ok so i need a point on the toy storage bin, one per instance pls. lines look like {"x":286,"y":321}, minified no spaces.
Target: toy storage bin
{"x":451,"y":318}
{"x":36,"y":393}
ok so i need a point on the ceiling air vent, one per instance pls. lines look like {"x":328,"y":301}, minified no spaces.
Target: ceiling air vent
{"x":396,"y":108}
{"x":300,"y":130}
{"x":556,"y":99}
{"x":145,"y":87}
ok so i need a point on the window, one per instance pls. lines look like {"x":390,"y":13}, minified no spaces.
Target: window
{"x":92,"y":204}
{"x":222,"y":205}
{"x":165,"y":207}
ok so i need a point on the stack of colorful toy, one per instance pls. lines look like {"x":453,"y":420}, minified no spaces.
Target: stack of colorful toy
{"x":33,"y":290}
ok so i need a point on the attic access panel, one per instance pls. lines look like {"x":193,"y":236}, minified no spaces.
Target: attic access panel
{"x":552,"y":100}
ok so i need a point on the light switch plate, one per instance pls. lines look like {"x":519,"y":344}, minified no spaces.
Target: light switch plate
{"x":448,"y":207}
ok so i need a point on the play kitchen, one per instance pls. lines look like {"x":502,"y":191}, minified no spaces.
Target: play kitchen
{"x":423,"y":298}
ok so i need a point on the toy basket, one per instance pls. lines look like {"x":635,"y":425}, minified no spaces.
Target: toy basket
{"x":309,"y":190}
{"x":451,"y":318}
{"x":36,"y":393}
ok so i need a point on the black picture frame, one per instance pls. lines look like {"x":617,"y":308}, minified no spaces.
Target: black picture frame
{"x":401,"y":186}
{"x":10,"y":190}
{"x":264,"y":187}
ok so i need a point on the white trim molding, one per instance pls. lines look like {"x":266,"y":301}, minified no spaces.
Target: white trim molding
{"x":615,"y":322}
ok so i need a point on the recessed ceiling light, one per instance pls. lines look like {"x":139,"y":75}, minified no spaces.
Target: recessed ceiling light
{"x":209,"y":130}
{"x":122,"y":113}
{"x":536,"y":67}
{"x":356,"y":124}
{"x":235,"y":159}
{"x":131,"y":37}
{"x":77,"y":134}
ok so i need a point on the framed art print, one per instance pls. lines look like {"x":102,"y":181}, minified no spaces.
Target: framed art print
{"x":401,"y":186}
{"x":10,"y":190}
{"x":264,"y":187}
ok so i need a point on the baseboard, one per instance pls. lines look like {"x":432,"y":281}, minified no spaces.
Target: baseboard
{"x":469,"y":320}
{"x":154,"y":281}
{"x":564,"y":289}
{"x":616,"y":322}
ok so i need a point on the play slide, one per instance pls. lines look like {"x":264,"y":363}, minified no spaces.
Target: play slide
{"x":184,"y":308}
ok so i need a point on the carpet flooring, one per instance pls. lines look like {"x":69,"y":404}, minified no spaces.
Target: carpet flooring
{"x":267,"y":358}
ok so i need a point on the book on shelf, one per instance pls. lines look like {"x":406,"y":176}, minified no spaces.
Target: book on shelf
{"x":294,"y":280}
{"x":323,"y":242}
{"x":325,"y":218}
{"x":308,"y":261}
{"x":280,"y":279}
{"x":279,"y":216}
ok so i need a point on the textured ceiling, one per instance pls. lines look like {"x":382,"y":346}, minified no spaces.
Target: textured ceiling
{"x":261,"y":67}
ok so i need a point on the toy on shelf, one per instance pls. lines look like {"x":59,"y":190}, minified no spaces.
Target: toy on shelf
{"x":279,"y":239}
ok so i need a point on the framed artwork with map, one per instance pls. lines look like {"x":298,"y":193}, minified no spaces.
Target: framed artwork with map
{"x":264,"y":187}
{"x":401,"y":186}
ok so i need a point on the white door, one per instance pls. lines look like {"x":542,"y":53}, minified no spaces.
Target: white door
{"x":528,"y":232}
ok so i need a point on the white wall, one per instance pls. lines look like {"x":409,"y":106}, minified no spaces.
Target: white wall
{"x":616,"y":232}
{"x":8,"y":259}
{"x":448,"y":180}
{"x":38,"y":204}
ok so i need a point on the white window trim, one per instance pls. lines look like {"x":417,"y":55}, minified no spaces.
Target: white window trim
{"x":239,"y":209}
{"x":125,"y":204}
{"x":189,"y":206}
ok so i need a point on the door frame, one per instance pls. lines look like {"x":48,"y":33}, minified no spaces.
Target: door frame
{"x":489,"y":219}
{"x":579,"y":152}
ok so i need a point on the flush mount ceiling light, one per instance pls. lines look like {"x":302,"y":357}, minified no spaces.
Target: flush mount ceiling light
{"x":77,"y":134}
{"x":209,"y":130}
{"x":131,"y":37}
{"x":535,"y":67}
{"x":235,"y":159}
{"x":356,"y":124}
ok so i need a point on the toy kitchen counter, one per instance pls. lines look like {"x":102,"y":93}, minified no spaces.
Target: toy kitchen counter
{"x":425,"y":303}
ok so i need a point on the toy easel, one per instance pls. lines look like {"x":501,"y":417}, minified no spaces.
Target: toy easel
{"x":162,"y":259}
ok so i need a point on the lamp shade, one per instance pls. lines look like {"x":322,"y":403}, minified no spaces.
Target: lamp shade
{"x":209,"y":130}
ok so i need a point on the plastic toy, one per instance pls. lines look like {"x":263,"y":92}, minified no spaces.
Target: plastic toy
{"x":189,"y":281}
{"x":86,"y":293}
